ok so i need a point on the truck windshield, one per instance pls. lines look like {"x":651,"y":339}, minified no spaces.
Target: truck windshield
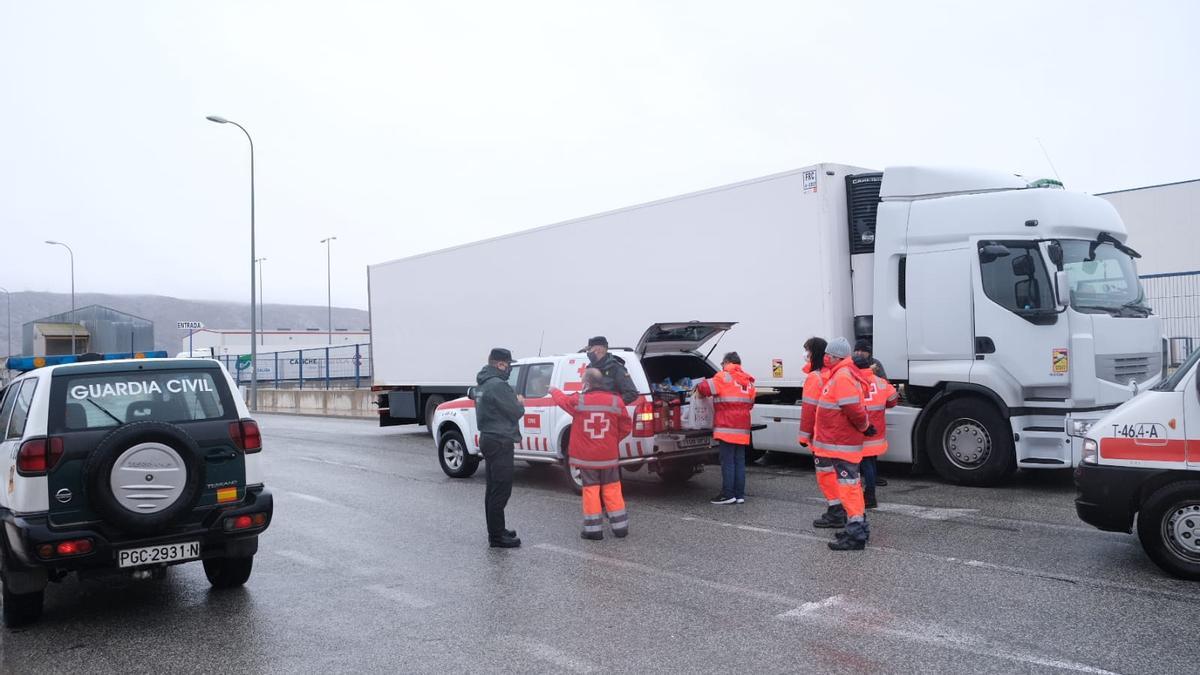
{"x":1102,"y":279}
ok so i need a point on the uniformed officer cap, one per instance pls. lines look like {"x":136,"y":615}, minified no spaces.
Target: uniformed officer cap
{"x":500,"y":354}
{"x":599,"y":340}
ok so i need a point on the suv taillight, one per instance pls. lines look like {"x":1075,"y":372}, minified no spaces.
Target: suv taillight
{"x":647,"y":420}
{"x":245,"y":435}
{"x":39,"y":456}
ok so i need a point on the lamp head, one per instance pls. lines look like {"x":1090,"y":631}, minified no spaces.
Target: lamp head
{"x":217,"y":118}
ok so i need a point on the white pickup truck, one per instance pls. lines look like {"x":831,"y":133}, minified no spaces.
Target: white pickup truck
{"x":665,"y":352}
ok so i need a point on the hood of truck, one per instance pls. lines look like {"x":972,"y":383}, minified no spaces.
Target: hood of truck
{"x":1147,"y":431}
{"x":1114,"y":357}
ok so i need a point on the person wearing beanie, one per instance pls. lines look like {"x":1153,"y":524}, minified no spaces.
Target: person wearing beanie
{"x":863,"y":348}
{"x":841,"y":426}
{"x":498,"y":411}
{"x":616,"y":377}
{"x":819,"y":369}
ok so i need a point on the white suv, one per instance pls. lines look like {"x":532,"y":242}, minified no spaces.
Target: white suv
{"x":126,"y":466}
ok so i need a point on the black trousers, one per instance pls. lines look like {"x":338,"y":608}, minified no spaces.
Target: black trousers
{"x":498,"y":465}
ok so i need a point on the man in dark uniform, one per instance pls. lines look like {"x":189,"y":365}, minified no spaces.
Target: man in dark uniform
{"x":616,"y":377}
{"x":498,"y":411}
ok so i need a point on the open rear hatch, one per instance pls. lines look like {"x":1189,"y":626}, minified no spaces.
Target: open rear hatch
{"x":686,"y":337}
{"x":673,"y":361}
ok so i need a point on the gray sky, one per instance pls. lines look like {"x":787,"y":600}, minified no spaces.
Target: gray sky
{"x":406,"y":127}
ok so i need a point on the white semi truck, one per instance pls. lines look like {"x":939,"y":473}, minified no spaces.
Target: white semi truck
{"x":1010,"y":311}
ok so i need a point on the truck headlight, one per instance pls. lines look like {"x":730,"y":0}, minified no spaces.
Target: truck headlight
{"x":1091,"y":451}
{"x":1079,"y":427}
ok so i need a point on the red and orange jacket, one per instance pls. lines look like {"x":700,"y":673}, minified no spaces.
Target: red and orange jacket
{"x":813,"y":385}
{"x":842,"y":414}
{"x":732,"y":391}
{"x":881,"y":395}
{"x":600,"y":421}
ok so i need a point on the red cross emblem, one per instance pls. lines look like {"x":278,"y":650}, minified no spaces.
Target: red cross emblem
{"x":596,"y":426}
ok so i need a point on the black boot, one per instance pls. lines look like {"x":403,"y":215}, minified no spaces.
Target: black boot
{"x":847,"y":543}
{"x":833,"y":518}
{"x":869,"y":500}
{"x":594,"y":536}
{"x":504,"y":541}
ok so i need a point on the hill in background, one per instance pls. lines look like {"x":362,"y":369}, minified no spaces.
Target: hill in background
{"x":164,"y":311}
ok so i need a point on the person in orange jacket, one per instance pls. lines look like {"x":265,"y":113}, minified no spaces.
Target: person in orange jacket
{"x":732,"y":391}
{"x":881,"y":395}
{"x":818,"y":369}
{"x":599,"y":421}
{"x":841,"y":427}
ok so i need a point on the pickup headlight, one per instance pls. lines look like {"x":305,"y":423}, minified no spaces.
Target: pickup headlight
{"x":1091,"y":452}
{"x":1079,"y":427}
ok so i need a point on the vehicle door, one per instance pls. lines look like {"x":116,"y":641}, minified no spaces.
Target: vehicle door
{"x":536,"y":378}
{"x":8,"y":447}
{"x":1191,"y":415}
{"x":1017,"y":323}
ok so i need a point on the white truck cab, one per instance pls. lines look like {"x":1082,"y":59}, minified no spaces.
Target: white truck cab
{"x":663,"y":365}
{"x":1143,"y":460}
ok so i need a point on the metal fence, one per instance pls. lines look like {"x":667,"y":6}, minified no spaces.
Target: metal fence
{"x":336,"y":367}
{"x":1175,"y":298}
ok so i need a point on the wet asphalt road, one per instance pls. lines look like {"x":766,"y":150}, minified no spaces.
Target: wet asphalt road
{"x":377,"y":562}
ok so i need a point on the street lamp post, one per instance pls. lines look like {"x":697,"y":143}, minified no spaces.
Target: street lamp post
{"x":328,"y":241}
{"x":72,"y":254}
{"x":8,"y":333}
{"x":253,"y":289}
{"x":261,"y":303}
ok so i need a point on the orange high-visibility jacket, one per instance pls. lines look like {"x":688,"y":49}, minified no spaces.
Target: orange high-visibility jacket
{"x":732,"y":391}
{"x":841,"y":414}
{"x":881,"y":395}
{"x":813,"y":385}
{"x":599,"y":421}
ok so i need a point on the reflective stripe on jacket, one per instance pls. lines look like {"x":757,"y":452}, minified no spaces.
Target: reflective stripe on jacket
{"x":732,"y":391}
{"x":880,"y":396}
{"x":841,"y":415}
{"x":599,"y":421}
{"x":808,"y":405}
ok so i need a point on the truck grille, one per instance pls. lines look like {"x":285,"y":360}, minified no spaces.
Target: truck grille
{"x":862,"y":208}
{"x":1121,"y":368}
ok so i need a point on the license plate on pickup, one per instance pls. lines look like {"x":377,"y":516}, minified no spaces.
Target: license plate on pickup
{"x":688,"y":443}
{"x":154,"y":555}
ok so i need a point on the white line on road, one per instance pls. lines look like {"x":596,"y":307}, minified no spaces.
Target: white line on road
{"x":307,"y":497}
{"x":401,"y":596}
{"x":296,"y":556}
{"x":863,"y":619}
{"x":654,"y":571}
{"x":975,"y":564}
{"x":926,"y":512}
{"x":330,"y":461}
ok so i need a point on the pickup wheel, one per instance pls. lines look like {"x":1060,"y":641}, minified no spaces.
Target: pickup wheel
{"x":228,"y":572}
{"x":753,"y":455}
{"x":456,"y":462}
{"x":969,"y":443}
{"x":1169,"y":528}
{"x":677,"y":472}
{"x":21,"y":609}
{"x":431,"y":405}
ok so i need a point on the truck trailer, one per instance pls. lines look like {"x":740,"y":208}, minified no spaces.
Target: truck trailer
{"x":1008,"y":311}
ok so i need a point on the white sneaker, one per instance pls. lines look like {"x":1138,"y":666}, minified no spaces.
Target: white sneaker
{"x":739,"y":500}
{"x":722,"y":500}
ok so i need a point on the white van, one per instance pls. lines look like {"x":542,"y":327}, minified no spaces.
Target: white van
{"x":664,"y":366}
{"x":1143,"y":460}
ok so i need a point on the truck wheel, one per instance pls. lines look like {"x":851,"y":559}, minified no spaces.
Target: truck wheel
{"x":228,"y":572}
{"x":1169,"y":527}
{"x":431,"y":405}
{"x":969,"y":443}
{"x":454,"y":458}
{"x":21,"y":609}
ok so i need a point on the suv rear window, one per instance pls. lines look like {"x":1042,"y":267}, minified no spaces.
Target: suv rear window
{"x":112,"y":399}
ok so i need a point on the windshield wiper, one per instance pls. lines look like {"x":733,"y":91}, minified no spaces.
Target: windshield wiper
{"x":104,"y":410}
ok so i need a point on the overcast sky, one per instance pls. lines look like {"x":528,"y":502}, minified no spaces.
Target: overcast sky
{"x":406,"y":127}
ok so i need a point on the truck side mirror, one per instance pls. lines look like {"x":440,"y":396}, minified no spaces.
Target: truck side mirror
{"x":1056,"y":254}
{"x":1022,"y":266}
{"x":993,"y":252}
{"x":1062,"y":288}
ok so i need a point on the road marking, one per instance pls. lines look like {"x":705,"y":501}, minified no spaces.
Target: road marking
{"x":296,"y":556}
{"x":926,"y":512}
{"x":863,"y":619}
{"x":308,"y":498}
{"x":401,"y":596}
{"x":654,"y":571}
{"x":553,"y":655}
{"x":330,"y":461}
{"x":1191,"y":598}
{"x":810,"y":607}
